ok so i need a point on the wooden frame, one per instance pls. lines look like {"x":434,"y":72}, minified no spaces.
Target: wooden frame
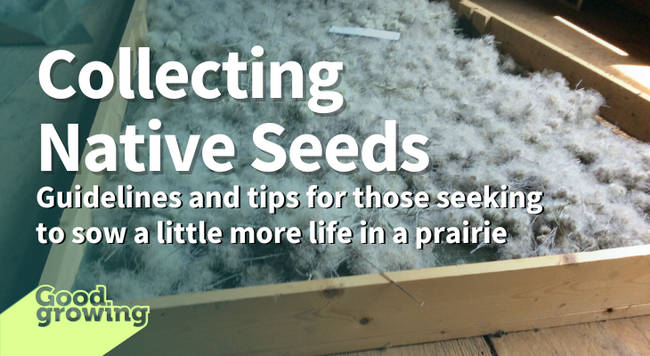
{"x":371,"y":311}
{"x":627,"y":107}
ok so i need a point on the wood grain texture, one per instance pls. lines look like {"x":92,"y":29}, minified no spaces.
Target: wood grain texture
{"x":643,"y":325}
{"x":605,"y":20}
{"x":614,"y":337}
{"x":368,"y":312}
{"x":626,"y":106}
{"x":475,"y":346}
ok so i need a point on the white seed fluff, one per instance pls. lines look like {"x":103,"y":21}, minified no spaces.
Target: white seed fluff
{"x":486,"y":125}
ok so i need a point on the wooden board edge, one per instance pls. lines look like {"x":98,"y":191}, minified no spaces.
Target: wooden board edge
{"x":347,"y":318}
{"x":408,"y":276}
{"x":482,"y":330}
{"x":63,"y":260}
{"x":626,"y":106}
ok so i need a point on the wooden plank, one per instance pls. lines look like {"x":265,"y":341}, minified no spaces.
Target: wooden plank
{"x":465,"y":9}
{"x":616,"y":337}
{"x":627,"y":107}
{"x":643,"y":325}
{"x":626,"y":336}
{"x":480,"y":21}
{"x":475,"y":346}
{"x":605,"y":20}
{"x":368,"y":312}
{"x":63,"y":261}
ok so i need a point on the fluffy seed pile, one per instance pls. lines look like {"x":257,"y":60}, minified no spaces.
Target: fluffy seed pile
{"x":487,"y":126}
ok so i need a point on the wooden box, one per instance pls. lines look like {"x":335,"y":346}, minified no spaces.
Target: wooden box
{"x":370,"y":311}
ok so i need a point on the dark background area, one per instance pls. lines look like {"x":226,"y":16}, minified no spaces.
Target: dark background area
{"x":23,"y":107}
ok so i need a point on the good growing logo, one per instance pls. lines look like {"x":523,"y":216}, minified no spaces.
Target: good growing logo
{"x":85,"y":306}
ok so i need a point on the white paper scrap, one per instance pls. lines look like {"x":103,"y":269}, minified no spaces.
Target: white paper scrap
{"x":365,"y":32}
